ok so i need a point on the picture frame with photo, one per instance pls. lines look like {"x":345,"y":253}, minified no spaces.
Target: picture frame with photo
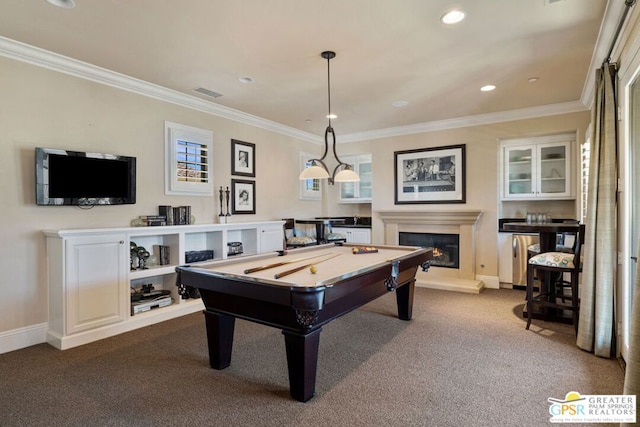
{"x":430,"y":175}
{"x":243,"y":196}
{"x":243,"y":158}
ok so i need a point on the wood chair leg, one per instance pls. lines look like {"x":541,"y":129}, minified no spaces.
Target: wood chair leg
{"x":530,"y":283}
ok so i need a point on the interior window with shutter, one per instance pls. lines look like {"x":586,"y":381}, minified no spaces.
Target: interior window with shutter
{"x":189,"y":160}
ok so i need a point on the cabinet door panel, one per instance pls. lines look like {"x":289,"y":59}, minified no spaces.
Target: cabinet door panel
{"x":96,"y":274}
{"x":271,"y":239}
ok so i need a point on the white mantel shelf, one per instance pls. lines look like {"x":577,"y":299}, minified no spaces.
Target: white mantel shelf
{"x":461,"y":222}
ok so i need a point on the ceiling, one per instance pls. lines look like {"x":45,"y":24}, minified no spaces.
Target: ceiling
{"x":387,"y":51}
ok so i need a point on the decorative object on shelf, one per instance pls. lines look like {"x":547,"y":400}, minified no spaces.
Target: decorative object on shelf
{"x":138,"y":257}
{"x":430,"y":175}
{"x":243,"y":158}
{"x":143,"y":256}
{"x":133,"y":256}
{"x":318,"y":169}
{"x":244,"y":196}
{"x":226,"y":192}
{"x":221,"y":214}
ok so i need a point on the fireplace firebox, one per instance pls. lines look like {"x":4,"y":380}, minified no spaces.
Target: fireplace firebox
{"x":446,"y":247}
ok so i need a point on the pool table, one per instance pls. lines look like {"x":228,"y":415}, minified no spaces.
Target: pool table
{"x":282,"y":290}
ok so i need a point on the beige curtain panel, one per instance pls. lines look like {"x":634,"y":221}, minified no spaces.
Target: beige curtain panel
{"x":596,"y":329}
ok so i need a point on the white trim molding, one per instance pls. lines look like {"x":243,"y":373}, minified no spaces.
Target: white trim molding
{"x":23,"y":337}
{"x":63,"y":64}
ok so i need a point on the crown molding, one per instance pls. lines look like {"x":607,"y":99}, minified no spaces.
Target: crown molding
{"x":461,"y":122}
{"x":63,"y":64}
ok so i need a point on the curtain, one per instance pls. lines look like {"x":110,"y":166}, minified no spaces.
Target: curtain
{"x":596,"y":330}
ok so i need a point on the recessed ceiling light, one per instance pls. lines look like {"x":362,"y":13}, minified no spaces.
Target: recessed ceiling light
{"x":400,"y":103}
{"x":246,"y":79}
{"x":452,"y":17}
{"x":332,"y":116}
{"x":487,"y":88}
{"x":67,"y":4}
{"x":532,"y":79}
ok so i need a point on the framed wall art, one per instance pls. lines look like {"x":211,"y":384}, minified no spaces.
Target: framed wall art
{"x":243,"y":197}
{"x":243,"y":158}
{"x":430,"y":175}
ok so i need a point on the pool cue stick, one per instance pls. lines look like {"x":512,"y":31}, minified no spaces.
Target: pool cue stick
{"x":293,"y":270}
{"x":278,"y":264}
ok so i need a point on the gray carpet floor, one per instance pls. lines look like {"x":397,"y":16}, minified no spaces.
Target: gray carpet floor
{"x":464,"y":360}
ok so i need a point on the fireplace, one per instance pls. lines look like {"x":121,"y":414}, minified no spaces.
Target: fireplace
{"x":460,"y":223}
{"x":445,"y":247}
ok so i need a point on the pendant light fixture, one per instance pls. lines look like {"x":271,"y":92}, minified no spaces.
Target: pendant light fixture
{"x":318,"y":168}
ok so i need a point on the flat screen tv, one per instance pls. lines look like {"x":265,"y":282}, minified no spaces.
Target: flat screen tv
{"x":65,"y":177}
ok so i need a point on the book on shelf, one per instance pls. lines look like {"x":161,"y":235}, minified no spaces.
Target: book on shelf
{"x":162,"y":253}
{"x":153,"y":220}
{"x":181,"y":215}
{"x":167,"y":212}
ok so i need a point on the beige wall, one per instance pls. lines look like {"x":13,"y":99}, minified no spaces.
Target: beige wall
{"x":39,"y":107}
{"x":482,"y":143}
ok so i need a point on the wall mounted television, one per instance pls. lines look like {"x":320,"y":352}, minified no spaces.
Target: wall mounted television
{"x":65,"y":177}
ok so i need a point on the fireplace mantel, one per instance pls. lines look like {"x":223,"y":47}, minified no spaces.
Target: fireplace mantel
{"x":460,"y":222}
{"x":431,"y":217}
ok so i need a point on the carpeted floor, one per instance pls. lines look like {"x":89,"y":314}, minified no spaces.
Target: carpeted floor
{"x":463,"y":360}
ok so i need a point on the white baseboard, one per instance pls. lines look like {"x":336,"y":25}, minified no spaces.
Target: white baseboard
{"x":23,"y":337}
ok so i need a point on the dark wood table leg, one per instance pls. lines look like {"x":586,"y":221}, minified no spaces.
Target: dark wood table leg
{"x":404,"y":299}
{"x":220,"y":338}
{"x":302,"y":360}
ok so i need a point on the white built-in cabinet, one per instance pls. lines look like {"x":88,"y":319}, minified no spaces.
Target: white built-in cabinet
{"x":90,"y":274}
{"x":355,"y":235}
{"x":539,"y":168}
{"x":361,"y":191}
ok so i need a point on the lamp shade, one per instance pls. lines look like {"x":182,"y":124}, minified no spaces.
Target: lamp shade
{"x":314,"y":172}
{"x":346,"y":175}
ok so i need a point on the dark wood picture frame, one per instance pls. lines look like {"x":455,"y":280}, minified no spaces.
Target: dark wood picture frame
{"x":243,"y":196}
{"x":430,"y":175}
{"x":243,"y":158}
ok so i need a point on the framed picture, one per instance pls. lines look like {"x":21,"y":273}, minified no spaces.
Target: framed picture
{"x":243,"y":158}
{"x":430,"y":175}
{"x":243,"y":196}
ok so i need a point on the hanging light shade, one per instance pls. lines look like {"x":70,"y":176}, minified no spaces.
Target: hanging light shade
{"x":318,"y":169}
{"x":314,"y":172}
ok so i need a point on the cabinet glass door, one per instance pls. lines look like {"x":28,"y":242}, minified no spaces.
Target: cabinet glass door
{"x":553,"y":169}
{"x":519,"y":167}
{"x":364,"y":170}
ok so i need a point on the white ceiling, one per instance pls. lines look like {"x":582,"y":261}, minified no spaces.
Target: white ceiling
{"x":386,"y":51}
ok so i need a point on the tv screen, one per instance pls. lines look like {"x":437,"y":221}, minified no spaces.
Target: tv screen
{"x":65,"y":177}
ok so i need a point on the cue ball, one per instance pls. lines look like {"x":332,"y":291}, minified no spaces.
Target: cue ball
{"x":313,"y":269}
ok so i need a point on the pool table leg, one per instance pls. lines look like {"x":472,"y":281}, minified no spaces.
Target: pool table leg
{"x":302,"y":360}
{"x":220,"y":338}
{"x":404,"y":298}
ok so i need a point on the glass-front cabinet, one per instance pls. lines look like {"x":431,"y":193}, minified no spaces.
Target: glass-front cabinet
{"x":358,"y":192}
{"x":538,"y":168}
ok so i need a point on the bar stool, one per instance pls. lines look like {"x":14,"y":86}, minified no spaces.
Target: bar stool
{"x":553,"y":295}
